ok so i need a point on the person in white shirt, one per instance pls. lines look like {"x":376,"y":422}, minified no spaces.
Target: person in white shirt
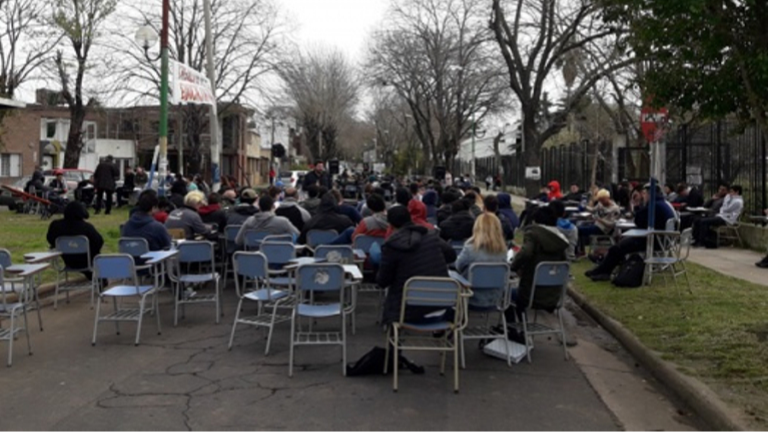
{"x":728,"y":215}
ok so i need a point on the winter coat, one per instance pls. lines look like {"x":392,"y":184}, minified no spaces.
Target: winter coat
{"x":469,"y":256}
{"x":313,"y":178}
{"x":312,"y":205}
{"x":327,"y":218}
{"x":189,"y":220}
{"x":411,"y":251}
{"x":129,"y":182}
{"x":351,"y":213}
{"x":295,"y":213}
{"x":145,"y":226}
{"x":266,"y":221}
{"x":443,"y":213}
{"x":554,"y":190}
{"x":141,"y":179}
{"x":430,"y":200}
{"x":457,"y":227}
{"x":606,"y":216}
{"x":239,"y":214}
{"x":74,"y":224}
{"x":571,"y":233}
{"x":505,"y":208}
{"x":37,"y":181}
{"x":542,"y":243}
{"x":213,"y":214}
{"x":418,"y":212}
{"x":105,"y":176}
{"x":374,"y":226}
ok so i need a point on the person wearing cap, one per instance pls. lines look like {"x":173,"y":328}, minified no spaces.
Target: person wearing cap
{"x":240,"y":213}
{"x":104,"y":179}
{"x":266,"y":220}
{"x":412,"y":250}
{"x":605,"y":213}
{"x":628,"y":245}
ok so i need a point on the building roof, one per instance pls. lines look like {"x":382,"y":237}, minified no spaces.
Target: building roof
{"x":10,"y":103}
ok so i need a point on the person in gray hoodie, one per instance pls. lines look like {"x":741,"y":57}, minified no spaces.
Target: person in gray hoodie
{"x":266,"y":220}
{"x":237,"y":215}
{"x":312,"y":204}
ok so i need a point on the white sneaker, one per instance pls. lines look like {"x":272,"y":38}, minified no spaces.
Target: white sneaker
{"x":189,"y":293}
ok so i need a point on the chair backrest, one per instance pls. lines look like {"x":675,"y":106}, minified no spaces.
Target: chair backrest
{"x":320,"y":277}
{"x":74,"y":245}
{"x":672,"y":224}
{"x":278,"y":253}
{"x":230,"y":235}
{"x":458,"y":245}
{"x":133,"y":246}
{"x":195,"y":252}
{"x":5,"y":258}
{"x":115,"y":267}
{"x":686,"y":239}
{"x":436,"y":292}
{"x":250,"y":265}
{"x":340,"y":254}
{"x":177,"y":233}
{"x":365,"y":242}
{"x":280,"y":238}
{"x":320,"y":237}
{"x":551,"y":275}
{"x":254,"y":238}
{"x":492,"y":276}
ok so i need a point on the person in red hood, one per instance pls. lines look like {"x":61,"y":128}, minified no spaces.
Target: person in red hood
{"x":554,"y":190}
{"x":213,"y":213}
{"x":418,"y":212}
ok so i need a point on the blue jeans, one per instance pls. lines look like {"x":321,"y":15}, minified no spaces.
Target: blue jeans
{"x":345,"y":238}
{"x":585,"y":232}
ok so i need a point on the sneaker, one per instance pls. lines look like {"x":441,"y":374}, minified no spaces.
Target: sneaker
{"x":762,"y":264}
{"x":189,"y":293}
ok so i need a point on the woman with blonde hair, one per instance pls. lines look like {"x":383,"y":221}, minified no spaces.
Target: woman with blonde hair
{"x":486,"y":245}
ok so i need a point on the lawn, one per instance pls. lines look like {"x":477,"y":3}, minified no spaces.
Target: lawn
{"x":719,"y":334}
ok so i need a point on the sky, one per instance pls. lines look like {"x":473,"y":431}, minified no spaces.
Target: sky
{"x":344,"y":24}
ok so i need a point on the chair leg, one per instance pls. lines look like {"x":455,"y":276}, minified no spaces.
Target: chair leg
{"x":56,"y":292}
{"x":26,"y":330}
{"x":528,"y":343}
{"x":10,"y":338}
{"x":506,"y":339}
{"x":562,"y":332}
{"x":293,"y":336}
{"x":218,"y":301}
{"x":117,"y":323}
{"x":96,"y":322}
{"x":157,"y":311}
{"x":37,"y":307}
{"x":141,"y":318}
{"x":343,"y":343}
{"x":396,"y":359}
{"x":455,"y":362}
{"x":462,"y":346}
{"x":176,"y":294}
{"x":234,"y":324}
{"x":271,"y":329}
{"x":386,"y":353}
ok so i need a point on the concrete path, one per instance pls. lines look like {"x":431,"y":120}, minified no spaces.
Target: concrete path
{"x":738,"y":263}
{"x":186,"y":379}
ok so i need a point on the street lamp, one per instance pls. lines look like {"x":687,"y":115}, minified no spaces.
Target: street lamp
{"x":146,"y":37}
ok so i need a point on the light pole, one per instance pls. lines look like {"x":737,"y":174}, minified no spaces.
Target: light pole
{"x":147,"y":37}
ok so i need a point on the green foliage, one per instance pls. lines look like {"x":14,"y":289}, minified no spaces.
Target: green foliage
{"x":708,"y":56}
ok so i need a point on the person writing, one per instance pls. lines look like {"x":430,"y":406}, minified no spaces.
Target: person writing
{"x":605,"y":212}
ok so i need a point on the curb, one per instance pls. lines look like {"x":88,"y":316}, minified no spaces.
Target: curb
{"x":700,"y":398}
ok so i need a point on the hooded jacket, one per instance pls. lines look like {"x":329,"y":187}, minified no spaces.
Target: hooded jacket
{"x":266,"y":221}
{"x":189,"y":220}
{"x":443,"y":213}
{"x":374,"y":226}
{"x":145,"y":226}
{"x":418,"y":212}
{"x":505,"y":208}
{"x":213,"y":214}
{"x":542,"y":243}
{"x":430,"y":200}
{"x":74,"y":224}
{"x":295,"y":213}
{"x":327,"y":218}
{"x":37,"y":181}
{"x":238,"y":214}
{"x":311,"y":205}
{"x":458,"y":227}
{"x":411,"y":251}
{"x":571,"y":233}
{"x":554,"y":190}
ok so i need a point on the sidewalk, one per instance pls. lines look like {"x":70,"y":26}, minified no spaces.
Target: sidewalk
{"x":738,"y":263}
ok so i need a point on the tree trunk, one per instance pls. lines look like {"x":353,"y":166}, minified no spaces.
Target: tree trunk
{"x":75,"y":137}
{"x":532,"y":155}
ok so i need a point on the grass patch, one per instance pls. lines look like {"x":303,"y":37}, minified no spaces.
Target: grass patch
{"x":719,"y":334}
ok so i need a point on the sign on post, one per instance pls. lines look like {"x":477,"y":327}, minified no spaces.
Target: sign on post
{"x":190,"y":86}
{"x":652,"y":122}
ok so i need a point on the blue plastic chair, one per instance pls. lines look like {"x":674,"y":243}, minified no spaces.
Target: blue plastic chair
{"x":321,"y":278}
{"x":12,"y":311}
{"x":489,"y":281}
{"x":364,"y":242}
{"x":72,"y":245}
{"x":5,"y":262}
{"x":431,"y":292}
{"x":339,"y":254}
{"x":252,"y":240}
{"x":200,"y":254}
{"x":135,"y":247}
{"x":549,"y":276}
{"x":120,"y":267}
{"x":252,"y":268}
{"x":230,"y":247}
{"x":290,"y":238}
{"x":320,"y":237}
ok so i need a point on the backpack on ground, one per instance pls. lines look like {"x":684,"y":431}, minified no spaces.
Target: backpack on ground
{"x":630,"y":273}
{"x":372,"y":363}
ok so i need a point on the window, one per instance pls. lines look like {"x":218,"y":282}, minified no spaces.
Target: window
{"x":10,"y":165}
{"x":50,"y":129}
{"x":90,"y":131}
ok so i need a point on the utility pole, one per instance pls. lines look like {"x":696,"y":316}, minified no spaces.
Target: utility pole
{"x":164,"y":98}
{"x":215,"y":140}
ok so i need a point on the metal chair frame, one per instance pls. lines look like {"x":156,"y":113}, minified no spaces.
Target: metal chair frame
{"x":729,"y":232}
{"x":201,"y":253}
{"x":12,"y":312}
{"x":317,"y":237}
{"x":64,"y":245}
{"x":674,"y":262}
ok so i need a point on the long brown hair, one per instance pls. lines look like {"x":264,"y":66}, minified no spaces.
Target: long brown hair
{"x":487,"y":234}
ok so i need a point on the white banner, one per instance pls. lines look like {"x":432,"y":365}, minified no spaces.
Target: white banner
{"x":190,"y":86}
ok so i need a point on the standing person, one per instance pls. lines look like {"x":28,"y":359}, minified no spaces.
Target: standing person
{"x":74,"y":224}
{"x":141,"y":178}
{"x":272,"y":175}
{"x":129,"y":183}
{"x":728,"y":215}
{"x":411,"y":251}
{"x":142,"y":222}
{"x":317,"y":176}
{"x":104,"y":181}
{"x":488,"y":182}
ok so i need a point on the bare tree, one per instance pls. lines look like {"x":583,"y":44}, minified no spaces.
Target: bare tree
{"x":395,"y":132}
{"x":540,"y":37}
{"x":439,"y":57}
{"x":325,"y":89}
{"x":82,"y":22}
{"x":247,"y":40}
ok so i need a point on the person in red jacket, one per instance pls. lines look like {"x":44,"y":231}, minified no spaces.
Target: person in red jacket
{"x":375,"y":225}
{"x":554,"y":190}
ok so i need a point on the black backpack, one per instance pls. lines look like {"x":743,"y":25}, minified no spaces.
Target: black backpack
{"x":372,"y":363}
{"x":630,"y":273}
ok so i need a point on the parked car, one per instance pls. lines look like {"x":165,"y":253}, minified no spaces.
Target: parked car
{"x":292,"y":178}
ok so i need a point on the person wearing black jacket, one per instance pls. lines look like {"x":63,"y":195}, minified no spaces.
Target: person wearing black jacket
{"x":444,"y":211}
{"x":142,"y":224}
{"x":318,"y":176}
{"x":74,"y":224}
{"x":327,"y":218}
{"x":459,"y":226}
{"x":129,"y":183}
{"x":411,"y":250}
{"x":104,"y":181}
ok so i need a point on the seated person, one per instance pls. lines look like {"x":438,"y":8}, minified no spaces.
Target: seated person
{"x":412,"y":250}
{"x":505,"y":208}
{"x":554,"y":191}
{"x":485,"y":246}
{"x":164,"y":207}
{"x":543,"y":242}
{"x":605,"y":212}
{"x":459,"y":226}
{"x":142,"y":223}
{"x":187,"y":218}
{"x":568,"y":229}
{"x":688,"y":196}
{"x":718,"y":198}
{"x":728,"y":215}
{"x":445,"y":210}
{"x":58,"y":185}
{"x":575,"y":193}
{"x":212,"y":213}
{"x":491,"y":205}
{"x":266,"y":220}
{"x":312,"y":203}
{"x":430,"y":200}
{"x":628,"y":245}
{"x":418,"y":212}
{"x":345,"y":209}
{"x":669,"y":192}
{"x":377,"y":224}
{"x":238,"y":214}
{"x":475,"y":201}
{"x":36,"y":182}
{"x":327,"y":218}
{"x":74,"y":224}
{"x":290,"y":209}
